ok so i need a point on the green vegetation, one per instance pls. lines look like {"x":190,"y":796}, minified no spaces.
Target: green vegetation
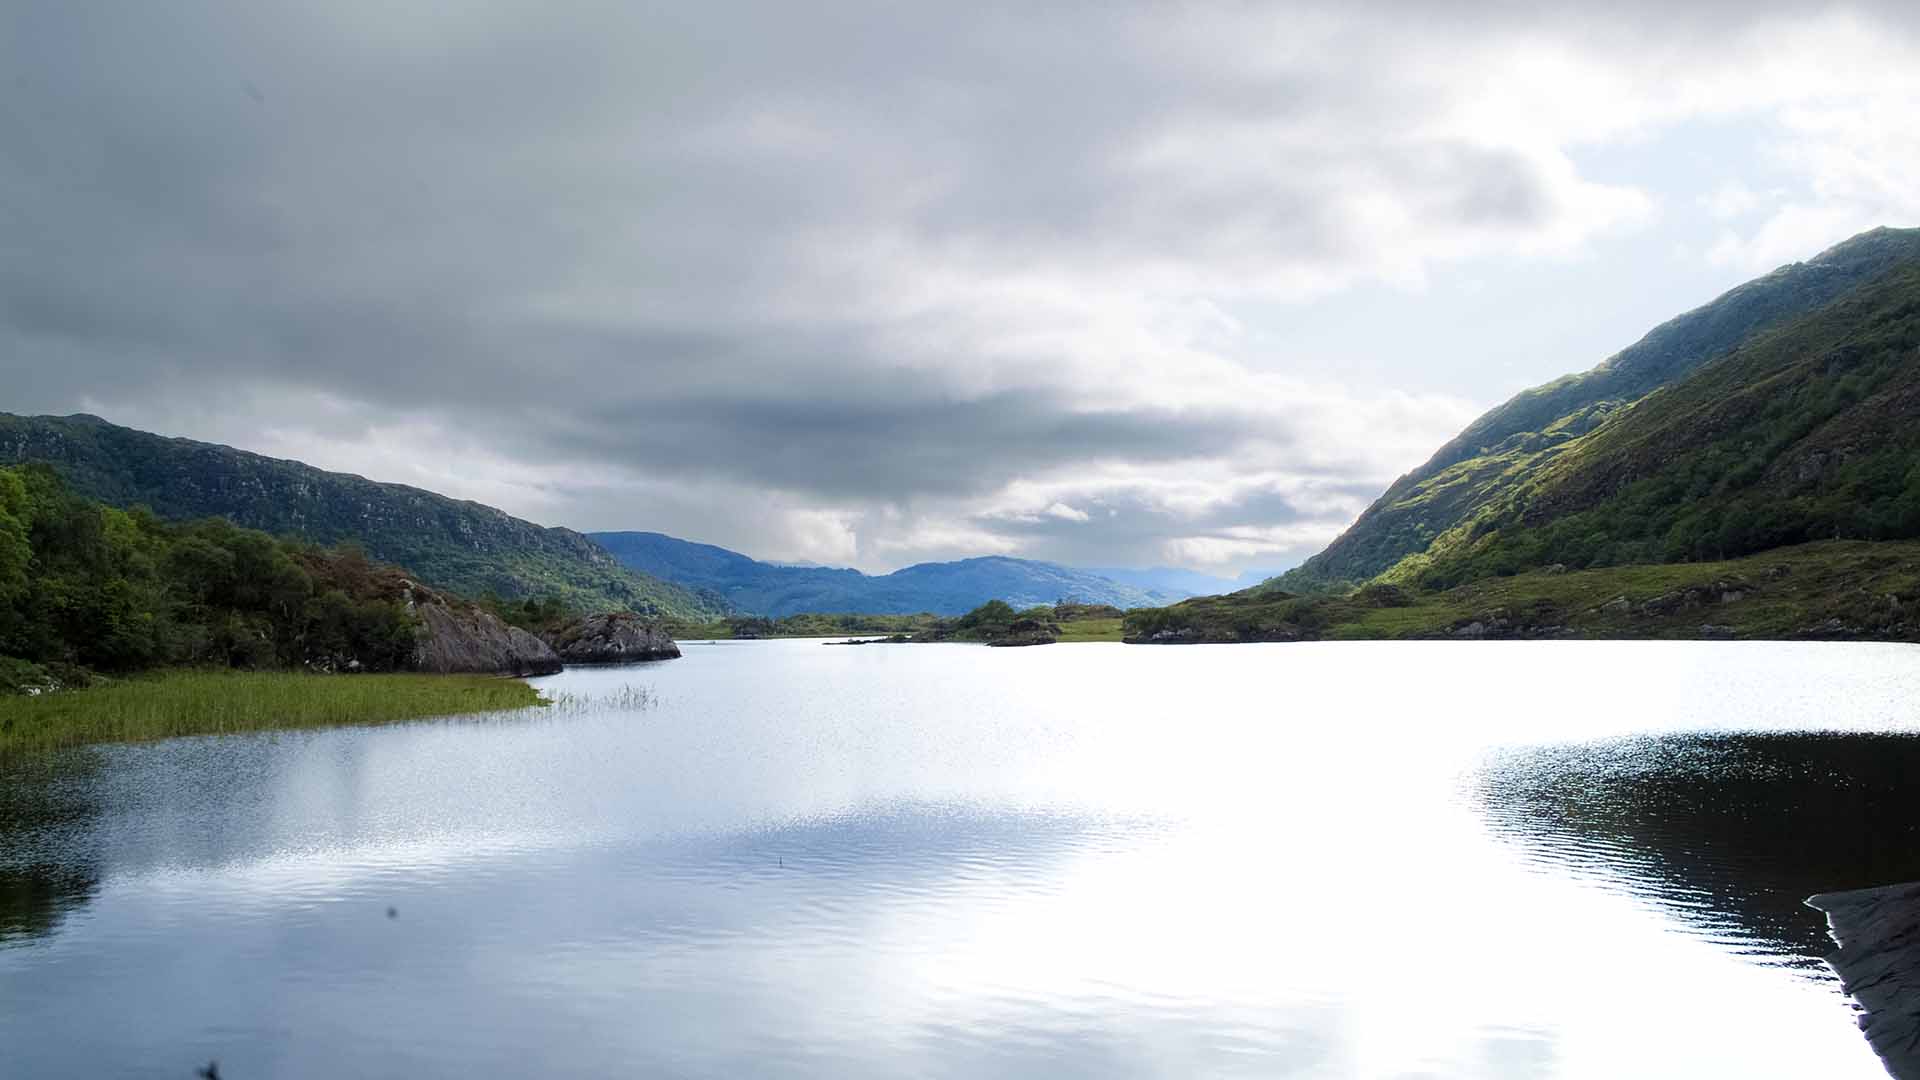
{"x":998,"y":623}
{"x":1493,"y":466}
{"x":463,"y":547}
{"x":1807,"y":433}
{"x":1108,"y":629}
{"x":214,"y":702}
{"x":246,"y":621}
{"x":85,"y":586}
{"x":1835,"y":589}
{"x":1703,"y":483}
{"x":1069,"y":620}
{"x":537,"y":615}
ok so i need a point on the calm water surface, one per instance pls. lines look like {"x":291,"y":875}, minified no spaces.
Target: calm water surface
{"x":782,"y":859}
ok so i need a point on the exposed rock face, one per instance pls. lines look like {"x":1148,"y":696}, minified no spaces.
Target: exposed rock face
{"x":459,"y":639}
{"x":614,"y":638}
{"x":1878,"y":962}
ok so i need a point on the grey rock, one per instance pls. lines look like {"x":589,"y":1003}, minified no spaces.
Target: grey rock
{"x":467,"y":640}
{"x":1664,"y":604}
{"x":1878,"y":931}
{"x":612,"y":638}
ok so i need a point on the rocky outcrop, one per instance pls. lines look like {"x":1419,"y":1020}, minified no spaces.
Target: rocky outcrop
{"x":1878,"y":931}
{"x":457,"y":638}
{"x":612,"y":638}
{"x":1025,"y":632}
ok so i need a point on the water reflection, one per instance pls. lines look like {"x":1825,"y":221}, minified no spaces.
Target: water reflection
{"x":779,"y":859}
{"x":1726,"y":832}
{"x":48,"y":866}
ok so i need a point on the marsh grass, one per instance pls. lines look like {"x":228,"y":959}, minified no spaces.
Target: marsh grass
{"x":1091,"y":630}
{"x":627,"y":698}
{"x":174,"y":703}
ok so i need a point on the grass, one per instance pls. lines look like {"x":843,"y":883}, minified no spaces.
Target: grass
{"x":1840,"y":589}
{"x":1091,"y":630}
{"x":175,"y":703}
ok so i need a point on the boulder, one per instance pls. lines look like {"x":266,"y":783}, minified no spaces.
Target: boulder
{"x":467,"y":640}
{"x":612,"y":638}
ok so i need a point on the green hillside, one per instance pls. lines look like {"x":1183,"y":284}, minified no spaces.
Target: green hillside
{"x":1843,"y":590}
{"x":461,"y":546}
{"x":1510,"y":445}
{"x":1771,"y":489}
{"x":1810,"y":432}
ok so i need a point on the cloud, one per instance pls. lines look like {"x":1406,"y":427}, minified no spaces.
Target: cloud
{"x":862,"y":284}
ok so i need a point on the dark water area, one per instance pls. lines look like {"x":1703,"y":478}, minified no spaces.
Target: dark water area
{"x":1477,"y":860}
{"x":1728,"y":832}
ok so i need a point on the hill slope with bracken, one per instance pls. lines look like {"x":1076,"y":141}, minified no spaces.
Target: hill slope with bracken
{"x":462,"y":546}
{"x":1507,"y":447}
{"x":1809,"y":432}
{"x":1772,"y":489}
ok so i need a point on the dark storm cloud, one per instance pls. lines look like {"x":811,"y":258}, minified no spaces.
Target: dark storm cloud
{"x":572,"y":213}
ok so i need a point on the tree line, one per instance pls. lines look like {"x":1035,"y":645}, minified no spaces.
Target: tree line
{"x":89,"y":587}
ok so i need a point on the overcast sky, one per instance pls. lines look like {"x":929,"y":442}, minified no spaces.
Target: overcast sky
{"x":870,"y":284}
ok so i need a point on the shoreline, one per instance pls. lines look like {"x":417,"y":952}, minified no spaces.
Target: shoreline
{"x":1878,"y":961}
{"x":180,"y":702}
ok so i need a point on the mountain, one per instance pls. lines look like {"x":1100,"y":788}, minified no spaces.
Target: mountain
{"x":1520,"y":439}
{"x":1808,"y":432}
{"x":1179,"y":583}
{"x":1770,"y":489}
{"x":949,"y":588}
{"x":463,"y":547}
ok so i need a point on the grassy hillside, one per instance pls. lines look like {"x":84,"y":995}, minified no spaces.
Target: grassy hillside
{"x":1808,"y":432}
{"x":947,"y":588}
{"x":461,"y":546}
{"x":1769,"y":490}
{"x":1842,"y":590}
{"x":1511,"y":445}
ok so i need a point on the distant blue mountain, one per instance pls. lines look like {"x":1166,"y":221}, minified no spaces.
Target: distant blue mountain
{"x":1178,"y":583}
{"x":947,"y":588}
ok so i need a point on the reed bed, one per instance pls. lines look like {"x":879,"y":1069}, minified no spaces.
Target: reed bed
{"x":622,"y":699}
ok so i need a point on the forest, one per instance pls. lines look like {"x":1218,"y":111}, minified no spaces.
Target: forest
{"x":87,"y":588}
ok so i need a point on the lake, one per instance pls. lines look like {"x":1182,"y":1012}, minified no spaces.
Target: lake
{"x":778,"y":858}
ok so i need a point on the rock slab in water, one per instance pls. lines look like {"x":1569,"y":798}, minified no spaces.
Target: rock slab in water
{"x":1878,"y":931}
{"x":612,"y":638}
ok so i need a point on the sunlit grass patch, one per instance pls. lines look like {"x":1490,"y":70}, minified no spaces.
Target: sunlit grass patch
{"x":175,"y":703}
{"x":1091,"y":630}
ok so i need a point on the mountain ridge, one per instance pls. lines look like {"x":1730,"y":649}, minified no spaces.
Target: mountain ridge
{"x":460,"y":545}
{"x":1516,"y":438}
{"x":1772,"y":490}
{"x":941,"y":588}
